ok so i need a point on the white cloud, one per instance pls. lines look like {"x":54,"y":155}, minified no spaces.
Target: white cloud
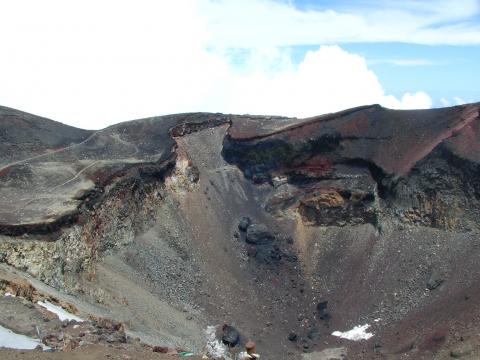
{"x":96,"y":63}
{"x":418,"y":100}
{"x":445,"y":102}
{"x":257,"y":23}
{"x":455,"y":101}
{"x":403,"y":62}
{"x":327,"y":80}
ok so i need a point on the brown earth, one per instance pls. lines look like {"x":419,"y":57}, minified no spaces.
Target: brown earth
{"x":90,"y":352}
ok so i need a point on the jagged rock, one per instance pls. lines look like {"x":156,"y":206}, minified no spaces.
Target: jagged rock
{"x":230,"y":335}
{"x":244,"y":223}
{"x":435,"y":280}
{"x":160,"y":349}
{"x":268,"y":253}
{"x":323,"y":312}
{"x":259,"y":234}
{"x":432,"y":284}
{"x":322,"y":306}
{"x":292,"y":336}
{"x":314,"y":334}
{"x":462,"y":351}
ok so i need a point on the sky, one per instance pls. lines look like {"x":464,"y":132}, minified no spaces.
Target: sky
{"x":91,"y":63}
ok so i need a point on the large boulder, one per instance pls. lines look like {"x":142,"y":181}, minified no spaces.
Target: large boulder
{"x":259,"y":234}
{"x":230,"y":335}
{"x":244,"y":223}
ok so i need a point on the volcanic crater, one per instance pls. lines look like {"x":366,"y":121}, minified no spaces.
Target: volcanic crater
{"x":280,"y":230}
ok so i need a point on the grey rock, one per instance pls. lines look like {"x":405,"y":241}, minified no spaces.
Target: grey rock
{"x":434,"y":283}
{"x":259,"y":234}
{"x":230,"y":335}
{"x":314,"y":334}
{"x":244,"y":223}
{"x":461,"y":351}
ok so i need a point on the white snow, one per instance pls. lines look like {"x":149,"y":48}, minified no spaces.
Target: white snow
{"x":215,"y":348}
{"x":59,"y":311}
{"x":11,"y":340}
{"x":7,"y":294}
{"x":357,"y":333}
{"x":243,"y":355}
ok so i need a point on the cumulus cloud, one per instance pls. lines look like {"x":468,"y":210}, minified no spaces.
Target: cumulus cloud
{"x":92,"y":64}
{"x":455,"y":101}
{"x":326,"y":80}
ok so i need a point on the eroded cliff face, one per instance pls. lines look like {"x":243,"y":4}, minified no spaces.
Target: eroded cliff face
{"x":358,"y":165}
{"x":365,"y":214}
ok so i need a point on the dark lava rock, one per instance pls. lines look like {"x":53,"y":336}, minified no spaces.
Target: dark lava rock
{"x":251,"y":251}
{"x":434,"y":283}
{"x":292,"y":336}
{"x":290,"y":256}
{"x":314,"y":334}
{"x":230,"y":335}
{"x":322,"y":306}
{"x":268,"y":254}
{"x":325,"y":316}
{"x":244,"y":223}
{"x":306,"y":348}
{"x":259,"y":234}
{"x":323,"y":312}
{"x":265,"y":246}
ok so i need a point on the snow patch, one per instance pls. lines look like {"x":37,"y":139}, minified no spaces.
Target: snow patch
{"x":59,"y":311}
{"x":7,"y":294}
{"x":215,"y":348}
{"x":244,"y":355}
{"x":11,"y":340}
{"x":357,"y":333}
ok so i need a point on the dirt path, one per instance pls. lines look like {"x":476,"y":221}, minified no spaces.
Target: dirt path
{"x":50,"y":152}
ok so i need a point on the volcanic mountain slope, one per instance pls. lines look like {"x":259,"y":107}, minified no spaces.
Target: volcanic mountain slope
{"x":287,"y":229}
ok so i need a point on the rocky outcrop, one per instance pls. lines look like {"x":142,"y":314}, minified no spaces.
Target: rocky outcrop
{"x":351,"y":167}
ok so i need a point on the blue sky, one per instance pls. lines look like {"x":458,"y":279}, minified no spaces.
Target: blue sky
{"x":91,"y":64}
{"x":443,"y":71}
{"x":447,"y":70}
